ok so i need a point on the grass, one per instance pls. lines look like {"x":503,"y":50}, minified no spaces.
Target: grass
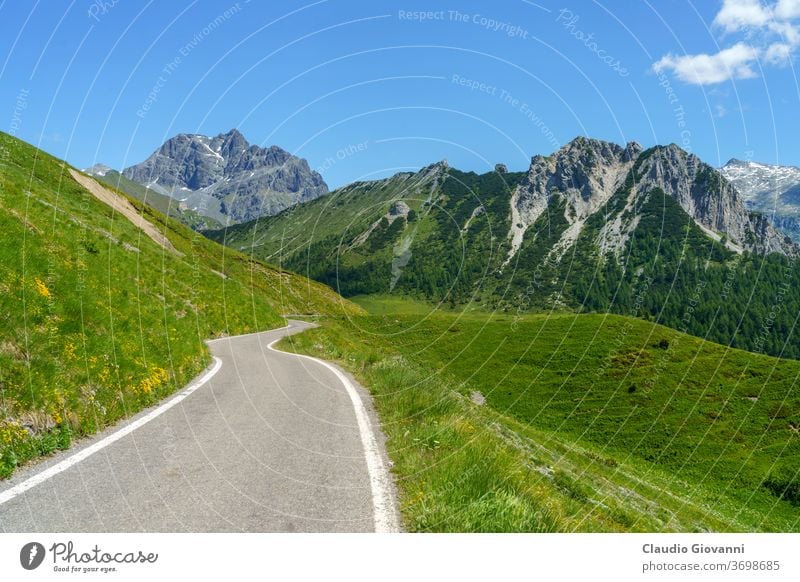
{"x":590,"y":422}
{"x":339,"y":216}
{"x":98,"y":320}
{"x":393,"y":305}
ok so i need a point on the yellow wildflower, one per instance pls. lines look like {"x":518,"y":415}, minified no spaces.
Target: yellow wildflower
{"x":11,"y":433}
{"x":41,"y":288}
{"x":69,"y":351}
{"x":157,"y":377}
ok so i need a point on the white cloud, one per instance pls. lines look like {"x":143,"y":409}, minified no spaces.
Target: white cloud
{"x":778,"y":53}
{"x":704,"y":69}
{"x":787,"y":31}
{"x":768,"y":35}
{"x":787,"y":9}
{"x":739,"y":14}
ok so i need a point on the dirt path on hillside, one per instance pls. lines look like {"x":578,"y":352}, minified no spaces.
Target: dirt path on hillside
{"x":125,"y":208}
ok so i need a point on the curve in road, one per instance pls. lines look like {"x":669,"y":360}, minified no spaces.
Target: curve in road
{"x":262,"y":441}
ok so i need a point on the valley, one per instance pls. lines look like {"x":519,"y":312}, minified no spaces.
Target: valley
{"x":335,"y":268}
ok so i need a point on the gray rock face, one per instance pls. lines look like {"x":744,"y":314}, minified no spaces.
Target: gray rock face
{"x":769,"y":189}
{"x":399,"y":208}
{"x":788,"y":224}
{"x":710,"y":199}
{"x":586,"y":173}
{"x":226,"y":178}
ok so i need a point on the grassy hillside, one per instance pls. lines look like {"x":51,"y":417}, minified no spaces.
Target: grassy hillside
{"x":350,"y":210}
{"x":164,"y":204}
{"x":444,"y":251}
{"x":574,"y":422}
{"x":99,"y":320}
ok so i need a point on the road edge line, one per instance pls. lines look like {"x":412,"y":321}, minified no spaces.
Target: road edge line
{"x":383,"y":507}
{"x":83,"y":454}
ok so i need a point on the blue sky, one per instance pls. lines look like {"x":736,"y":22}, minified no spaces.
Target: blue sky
{"x":365,"y":89}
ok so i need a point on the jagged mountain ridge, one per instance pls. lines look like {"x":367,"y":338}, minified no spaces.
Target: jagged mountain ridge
{"x":769,"y":189}
{"x":583,"y":177}
{"x":586,"y":173}
{"x":226,"y":178}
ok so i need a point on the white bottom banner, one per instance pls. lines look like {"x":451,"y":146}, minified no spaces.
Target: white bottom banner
{"x":400,"y":556}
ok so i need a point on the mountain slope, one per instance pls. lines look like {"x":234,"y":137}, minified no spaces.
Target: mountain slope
{"x":587,"y":173}
{"x":226,"y":178}
{"x":594,"y":227}
{"x":771,"y":190}
{"x":164,"y":204}
{"x":99,"y":320}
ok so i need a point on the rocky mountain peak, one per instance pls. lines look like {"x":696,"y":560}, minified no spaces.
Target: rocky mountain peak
{"x":594,"y":148}
{"x":591,"y":168}
{"x":435,"y":171}
{"x":770,"y":189}
{"x":226,"y":178}
{"x":231,"y":142}
{"x":633,"y":149}
{"x":586,"y":173}
{"x":233,"y":133}
{"x":584,"y":165}
{"x":708,"y":197}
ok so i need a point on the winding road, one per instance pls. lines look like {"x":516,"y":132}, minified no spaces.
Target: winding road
{"x":263,"y":441}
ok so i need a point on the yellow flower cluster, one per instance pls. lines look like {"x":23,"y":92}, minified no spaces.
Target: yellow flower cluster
{"x":56,"y":406}
{"x":11,"y":433}
{"x":41,"y":288}
{"x":69,"y":351}
{"x":157,"y":377}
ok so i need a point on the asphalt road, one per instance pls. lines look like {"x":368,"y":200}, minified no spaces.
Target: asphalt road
{"x":271,"y":442}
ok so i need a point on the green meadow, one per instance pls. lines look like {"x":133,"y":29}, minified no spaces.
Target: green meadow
{"x":573,"y":422}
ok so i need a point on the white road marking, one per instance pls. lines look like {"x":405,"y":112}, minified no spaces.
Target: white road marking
{"x":35,"y":480}
{"x":384,"y":514}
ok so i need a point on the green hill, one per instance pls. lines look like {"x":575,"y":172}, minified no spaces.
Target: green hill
{"x":323,"y":238}
{"x":573,"y":422}
{"x":100,"y":321}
